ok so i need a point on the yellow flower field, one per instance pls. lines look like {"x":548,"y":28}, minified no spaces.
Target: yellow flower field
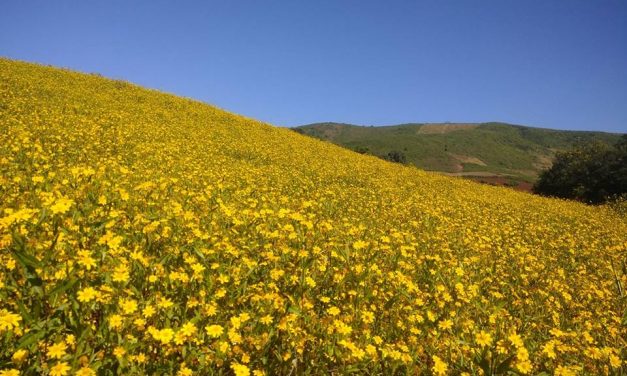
{"x":142,"y":233}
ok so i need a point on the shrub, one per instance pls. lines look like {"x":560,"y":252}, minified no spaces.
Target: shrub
{"x":396,"y":156}
{"x":591,"y":173}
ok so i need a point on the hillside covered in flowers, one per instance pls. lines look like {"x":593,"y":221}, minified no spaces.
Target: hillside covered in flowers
{"x":143,"y":233}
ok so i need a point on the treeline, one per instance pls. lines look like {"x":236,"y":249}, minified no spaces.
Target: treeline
{"x":392,"y":156}
{"x":592,"y":173}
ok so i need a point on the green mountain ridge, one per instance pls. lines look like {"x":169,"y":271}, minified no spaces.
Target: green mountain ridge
{"x":477,"y":150}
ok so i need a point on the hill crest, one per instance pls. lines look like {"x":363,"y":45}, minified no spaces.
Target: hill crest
{"x":478,"y":150}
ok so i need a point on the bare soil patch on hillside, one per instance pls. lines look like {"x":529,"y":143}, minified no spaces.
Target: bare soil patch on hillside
{"x":468,"y":159}
{"x":491,"y":178}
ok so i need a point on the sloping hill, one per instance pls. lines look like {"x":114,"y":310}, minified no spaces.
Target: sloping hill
{"x":142,"y":233}
{"x":462,"y":149}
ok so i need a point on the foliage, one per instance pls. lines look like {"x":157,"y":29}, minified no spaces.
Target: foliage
{"x":360,"y":149}
{"x":141,"y":233}
{"x":592,"y":173}
{"x":396,"y":156}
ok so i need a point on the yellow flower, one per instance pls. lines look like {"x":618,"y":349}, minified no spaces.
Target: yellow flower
{"x":10,"y":372}
{"x":333,"y":311}
{"x":164,"y":303}
{"x":57,"y":350}
{"x":483,"y":339}
{"x":245,"y":358}
{"x":60,"y":369}
{"x":70,"y":339}
{"x":164,"y":335}
{"x":102,"y":200}
{"x":121,"y":273}
{"x":184,"y":371}
{"x":515,"y":340}
{"x":549,"y":350}
{"x":371,"y":350}
{"x":85,"y":371}
{"x":129,"y":306}
{"x":87,"y":294}
{"x":139,"y":323}
{"x":149,"y":311}
{"x":439,"y":366}
{"x":524,"y":366}
{"x":445,"y":324}
{"x":342,"y":328}
{"x":566,"y":371}
{"x":234,"y":336}
{"x":188,"y":329}
{"x":8,"y":320}
{"x":119,"y":352}
{"x":240,"y":369}
{"x":310,"y":282}
{"x":214,"y":331}
{"x":19,"y":356}
{"x":236,"y":322}
{"x":61,"y":206}
{"x":115,"y":321}
{"x":85,"y":260}
{"x":360,"y":244}
{"x":140,"y":358}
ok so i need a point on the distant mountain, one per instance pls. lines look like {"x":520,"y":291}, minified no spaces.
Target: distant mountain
{"x":493,"y":152}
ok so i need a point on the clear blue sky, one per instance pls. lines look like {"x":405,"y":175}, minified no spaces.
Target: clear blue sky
{"x":557,"y":64}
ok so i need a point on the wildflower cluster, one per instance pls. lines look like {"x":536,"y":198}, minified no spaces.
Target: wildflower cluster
{"x":141,"y":233}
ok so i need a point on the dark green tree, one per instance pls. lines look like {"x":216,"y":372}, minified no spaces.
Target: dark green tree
{"x":396,"y":156}
{"x":591,"y":173}
{"x":362,"y":150}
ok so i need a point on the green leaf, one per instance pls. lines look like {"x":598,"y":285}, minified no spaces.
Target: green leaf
{"x":61,"y":287}
{"x":198,"y":253}
{"x":505,"y":365}
{"x":36,"y":282}
{"x":294,"y":310}
{"x":27,"y":261}
{"x":26,"y":313}
{"x":485,"y":366}
{"x":30,"y":338}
